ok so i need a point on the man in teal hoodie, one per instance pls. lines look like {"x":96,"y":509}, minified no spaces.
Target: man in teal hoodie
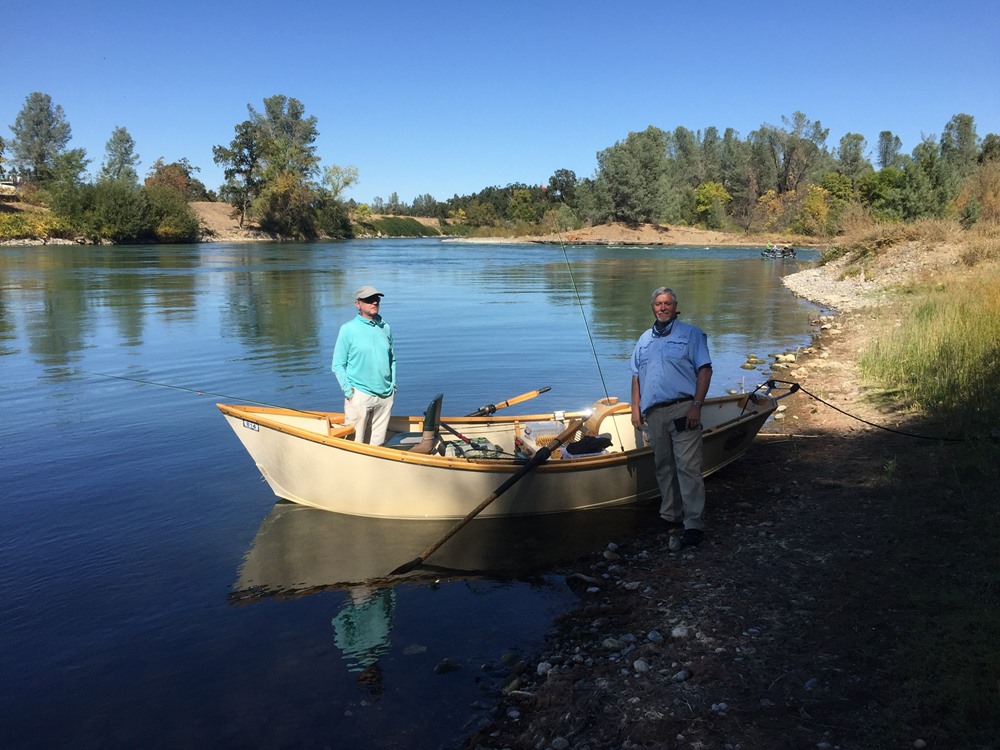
{"x":365,"y":367}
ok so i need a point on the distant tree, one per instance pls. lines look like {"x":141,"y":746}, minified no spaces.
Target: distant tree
{"x":120,"y":158}
{"x":979,"y":197}
{"x":928,"y":183}
{"x":122,"y":211}
{"x":889,"y":146}
{"x":851,"y":160}
{"x":41,"y":133}
{"x":286,"y":136}
{"x":634,"y":176}
{"x":393,"y":205}
{"x":337,"y":179}
{"x":426,"y":205}
{"x":65,"y":190}
{"x":3,"y":147}
{"x":243,"y":163}
{"x":960,"y":145}
{"x":562,"y":187}
{"x":990,"y":150}
{"x":882,"y":192}
{"x":524,"y":208}
{"x":711,"y":203}
{"x":363,"y":213}
{"x":170,"y":188}
{"x":711,"y":155}
{"x":378,"y":205}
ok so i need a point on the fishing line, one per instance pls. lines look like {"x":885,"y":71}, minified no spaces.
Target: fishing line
{"x":590,"y":336}
{"x":198,"y":392}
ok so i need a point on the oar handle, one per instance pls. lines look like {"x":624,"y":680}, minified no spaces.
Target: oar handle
{"x":485,"y":411}
{"x":539,"y":458}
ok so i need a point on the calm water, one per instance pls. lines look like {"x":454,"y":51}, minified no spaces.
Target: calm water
{"x":155,"y":595}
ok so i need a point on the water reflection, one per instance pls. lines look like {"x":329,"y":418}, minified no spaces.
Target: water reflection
{"x":300,"y":551}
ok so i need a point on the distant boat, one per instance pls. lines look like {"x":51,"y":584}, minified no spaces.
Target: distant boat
{"x":442,"y":468}
{"x":777,"y":251}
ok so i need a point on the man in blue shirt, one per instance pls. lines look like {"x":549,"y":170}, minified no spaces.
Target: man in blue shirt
{"x":365,"y":366}
{"x":671,"y":371}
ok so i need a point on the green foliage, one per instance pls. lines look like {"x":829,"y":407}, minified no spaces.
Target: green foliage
{"x":122,"y":212}
{"x":957,"y":326}
{"x":120,"y":158}
{"x":41,"y":133}
{"x":30,"y":225}
{"x":711,"y":200}
{"x":634,"y":176}
{"x":284,"y":207}
{"x":399,"y":226}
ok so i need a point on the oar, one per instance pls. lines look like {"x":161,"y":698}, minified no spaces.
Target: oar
{"x":539,"y":458}
{"x":485,"y":411}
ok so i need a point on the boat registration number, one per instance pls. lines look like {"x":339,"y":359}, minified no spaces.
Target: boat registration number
{"x":251,"y":425}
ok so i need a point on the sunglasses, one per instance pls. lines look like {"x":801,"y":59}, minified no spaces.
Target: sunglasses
{"x":372,"y":300}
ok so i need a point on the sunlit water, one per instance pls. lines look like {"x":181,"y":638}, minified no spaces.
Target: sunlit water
{"x":132,"y":516}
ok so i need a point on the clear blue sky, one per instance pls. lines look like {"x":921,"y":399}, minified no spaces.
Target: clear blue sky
{"x":451,"y":97}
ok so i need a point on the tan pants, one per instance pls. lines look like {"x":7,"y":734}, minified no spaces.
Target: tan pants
{"x":677,"y":458}
{"x":370,"y":416}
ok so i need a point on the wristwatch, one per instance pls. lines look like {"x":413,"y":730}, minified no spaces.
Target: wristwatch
{"x":697,"y":403}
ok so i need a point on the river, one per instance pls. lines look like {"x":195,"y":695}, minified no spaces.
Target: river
{"x":132,"y":517}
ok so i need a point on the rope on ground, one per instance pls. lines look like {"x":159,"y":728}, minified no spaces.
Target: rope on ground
{"x":798,"y":387}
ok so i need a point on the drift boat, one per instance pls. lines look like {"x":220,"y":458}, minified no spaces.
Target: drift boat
{"x":440,"y":468}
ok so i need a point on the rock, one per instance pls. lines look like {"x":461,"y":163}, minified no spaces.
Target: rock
{"x":641,"y":666}
{"x":681,"y":631}
{"x":447,"y":665}
{"x":544,"y":668}
{"x":683,"y":675}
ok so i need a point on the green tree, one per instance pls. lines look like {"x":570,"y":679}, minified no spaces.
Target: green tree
{"x":41,"y":133}
{"x":635,"y":176}
{"x":711,"y":204}
{"x":960,"y":145}
{"x":287,"y":137}
{"x":243,"y":163}
{"x":851,"y":159}
{"x":120,"y":158}
{"x":562,"y":187}
{"x":122,"y":211}
{"x":889,"y":146}
{"x":337,"y":179}
{"x":524,"y":208}
{"x":169,"y":189}
{"x":990,"y":150}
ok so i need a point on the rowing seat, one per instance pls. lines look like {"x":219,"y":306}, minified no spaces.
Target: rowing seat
{"x":426,"y":441}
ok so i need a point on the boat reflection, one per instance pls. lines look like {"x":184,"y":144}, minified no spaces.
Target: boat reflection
{"x":299,"y":550}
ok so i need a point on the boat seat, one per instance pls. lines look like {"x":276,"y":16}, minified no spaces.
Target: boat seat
{"x":426,"y":441}
{"x":600,"y":410}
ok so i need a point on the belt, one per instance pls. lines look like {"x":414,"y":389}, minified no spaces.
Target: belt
{"x":662,"y":404}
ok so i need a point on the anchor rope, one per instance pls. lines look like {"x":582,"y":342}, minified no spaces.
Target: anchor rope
{"x":795,"y":386}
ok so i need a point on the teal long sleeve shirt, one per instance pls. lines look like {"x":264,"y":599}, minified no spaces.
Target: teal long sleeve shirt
{"x":363,"y":358}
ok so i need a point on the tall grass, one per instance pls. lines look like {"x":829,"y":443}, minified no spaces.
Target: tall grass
{"x":944,"y":354}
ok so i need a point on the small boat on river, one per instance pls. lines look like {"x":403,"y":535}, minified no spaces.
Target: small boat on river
{"x":777,"y":251}
{"x":434,"y":467}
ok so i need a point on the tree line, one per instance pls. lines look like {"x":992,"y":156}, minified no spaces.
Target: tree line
{"x":775,"y":179}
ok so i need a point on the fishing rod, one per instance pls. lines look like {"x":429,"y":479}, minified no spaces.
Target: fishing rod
{"x":586,"y":325}
{"x":196,"y":391}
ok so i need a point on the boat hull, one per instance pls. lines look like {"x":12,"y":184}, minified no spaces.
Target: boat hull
{"x":306,"y":458}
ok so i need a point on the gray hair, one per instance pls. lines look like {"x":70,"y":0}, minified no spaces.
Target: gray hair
{"x":663,"y":290}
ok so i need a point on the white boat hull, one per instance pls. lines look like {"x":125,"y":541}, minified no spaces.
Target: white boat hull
{"x":310,"y":459}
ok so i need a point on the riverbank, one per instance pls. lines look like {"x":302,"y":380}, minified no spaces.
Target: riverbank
{"x":805,"y":619}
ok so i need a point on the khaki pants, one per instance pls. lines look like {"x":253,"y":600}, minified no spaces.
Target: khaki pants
{"x":370,"y":416}
{"x":677,"y":457}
